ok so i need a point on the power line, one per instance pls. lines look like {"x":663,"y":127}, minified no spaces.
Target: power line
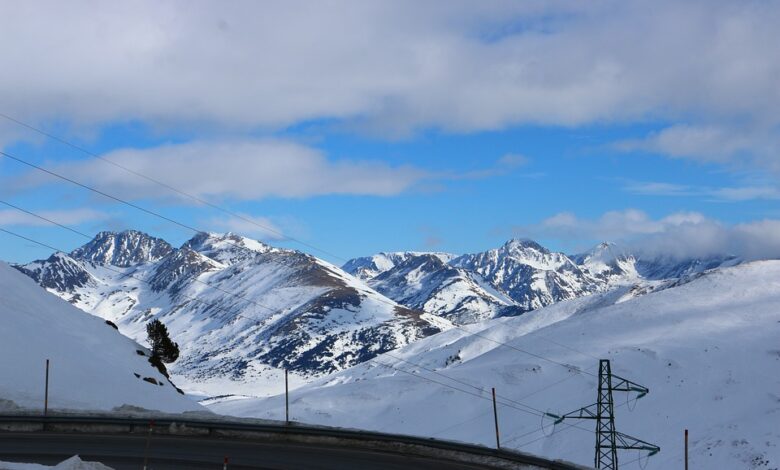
{"x":178,"y":191}
{"x":198,"y":199}
{"x":211,"y":286}
{"x":500,"y":343}
{"x":480,"y":390}
{"x":510,"y":403}
{"x":211,"y":305}
{"x":477,"y":395}
{"x":193,"y":197}
{"x":130,"y":275}
{"x":89,"y":237}
{"x":189,"y":227}
{"x":507,"y":402}
{"x":46,"y":219}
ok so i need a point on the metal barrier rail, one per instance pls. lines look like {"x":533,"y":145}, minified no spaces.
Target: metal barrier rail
{"x":292,"y":429}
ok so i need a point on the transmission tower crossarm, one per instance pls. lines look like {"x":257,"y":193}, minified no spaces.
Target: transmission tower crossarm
{"x":624,"y":441}
{"x":586,"y":412}
{"x":619,"y":384}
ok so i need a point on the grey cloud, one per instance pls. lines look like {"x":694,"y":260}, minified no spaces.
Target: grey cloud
{"x":393,"y":66}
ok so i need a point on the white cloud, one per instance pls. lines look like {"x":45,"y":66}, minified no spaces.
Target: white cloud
{"x":12,"y":217}
{"x":737,"y":145}
{"x":747,"y":193}
{"x":246,"y":170}
{"x":679,"y":235}
{"x":656,"y":188}
{"x":242,"y":170}
{"x":722,"y":194}
{"x":390,"y":66}
{"x":262,"y":228}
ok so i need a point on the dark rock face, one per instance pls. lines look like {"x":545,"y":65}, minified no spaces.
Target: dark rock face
{"x":59,"y":272}
{"x":123,"y":249}
{"x":180,"y":265}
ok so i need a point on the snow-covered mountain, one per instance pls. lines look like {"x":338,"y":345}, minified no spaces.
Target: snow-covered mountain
{"x":369,"y":267}
{"x":518,"y":277}
{"x":426,"y":282}
{"x":240,"y":310}
{"x":530,"y":274}
{"x":705,"y":345}
{"x":92,"y":366}
{"x":515,"y":278}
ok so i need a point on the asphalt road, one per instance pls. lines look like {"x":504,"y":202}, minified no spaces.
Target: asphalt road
{"x":169,"y":452}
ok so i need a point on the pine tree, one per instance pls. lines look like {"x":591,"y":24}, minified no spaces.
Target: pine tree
{"x":163,"y":348}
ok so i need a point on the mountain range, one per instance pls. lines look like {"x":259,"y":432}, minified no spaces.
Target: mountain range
{"x":244,"y":311}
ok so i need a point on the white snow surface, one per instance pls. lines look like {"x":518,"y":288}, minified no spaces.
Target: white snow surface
{"x":73,"y":463}
{"x":92,"y":365}
{"x":707,"y":347}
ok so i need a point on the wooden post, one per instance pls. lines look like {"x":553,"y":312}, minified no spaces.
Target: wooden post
{"x":495,"y":418}
{"x":286,"y":399}
{"x":46,"y":392}
{"x":686,"y":449}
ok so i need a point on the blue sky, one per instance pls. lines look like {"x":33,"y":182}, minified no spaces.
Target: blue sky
{"x":454,"y":131}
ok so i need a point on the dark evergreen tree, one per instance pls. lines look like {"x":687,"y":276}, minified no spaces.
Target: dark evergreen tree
{"x":163,"y":348}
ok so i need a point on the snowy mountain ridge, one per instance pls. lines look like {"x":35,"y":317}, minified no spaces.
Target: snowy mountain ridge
{"x":515,"y":278}
{"x":241,"y":310}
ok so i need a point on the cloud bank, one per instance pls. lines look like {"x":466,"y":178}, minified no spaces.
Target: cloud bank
{"x":394,"y":67}
{"x":679,"y":235}
{"x":240,"y":170}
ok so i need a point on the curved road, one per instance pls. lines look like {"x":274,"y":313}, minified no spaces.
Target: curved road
{"x":171,"y":452}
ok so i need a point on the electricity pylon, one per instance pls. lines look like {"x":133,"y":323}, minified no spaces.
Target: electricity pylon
{"x":608,"y":440}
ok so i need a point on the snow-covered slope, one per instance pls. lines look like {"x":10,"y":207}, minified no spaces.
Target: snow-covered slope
{"x":240,"y":310}
{"x":93,"y":366}
{"x":706,"y":346}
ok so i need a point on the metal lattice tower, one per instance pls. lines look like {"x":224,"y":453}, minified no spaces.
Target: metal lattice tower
{"x":606,"y":445}
{"x":608,"y":440}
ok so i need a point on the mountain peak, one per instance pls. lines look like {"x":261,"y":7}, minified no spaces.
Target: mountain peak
{"x":123,"y":249}
{"x":227,"y":248}
{"x":523,"y":244}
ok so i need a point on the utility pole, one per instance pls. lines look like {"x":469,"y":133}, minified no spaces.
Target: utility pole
{"x":495,"y":419}
{"x":148,"y":441}
{"x":608,"y":440}
{"x":46,"y":392}
{"x":686,"y":449}
{"x":286,"y":399}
